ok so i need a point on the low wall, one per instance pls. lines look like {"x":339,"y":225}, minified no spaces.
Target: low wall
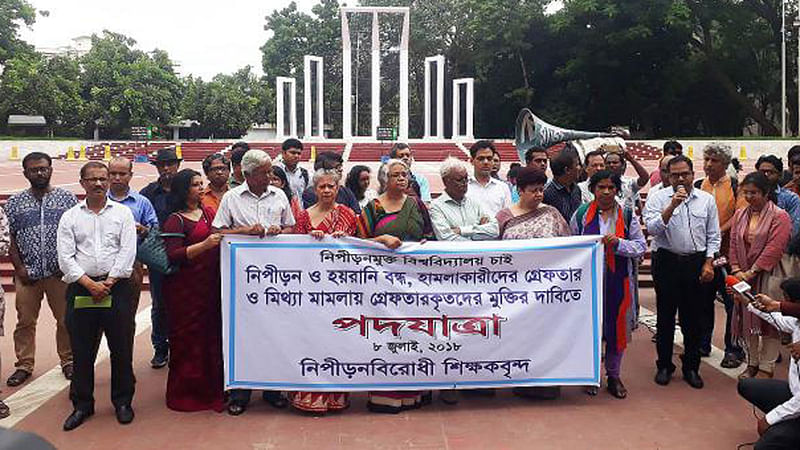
{"x":752,"y":148}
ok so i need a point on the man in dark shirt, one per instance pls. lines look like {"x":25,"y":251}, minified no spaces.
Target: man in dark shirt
{"x":562,"y":192}
{"x":167,"y":163}
{"x":331,"y":161}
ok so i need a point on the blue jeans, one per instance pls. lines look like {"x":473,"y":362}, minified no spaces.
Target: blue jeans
{"x":158,"y":313}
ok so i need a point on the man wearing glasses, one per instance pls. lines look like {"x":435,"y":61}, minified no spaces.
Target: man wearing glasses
{"x":33,"y":216}
{"x":686,"y":235}
{"x":217,"y":169}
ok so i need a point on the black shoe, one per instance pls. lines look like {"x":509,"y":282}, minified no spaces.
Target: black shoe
{"x":18,"y":377}
{"x":76,"y":419}
{"x":67,"y":371}
{"x":730,"y":361}
{"x":160,"y":359}
{"x":236,"y":409}
{"x":780,"y":359}
{"x":663,"y":377}
{"x":693,"y":379}
{"x":275,"y":398}
{"x":124,"y":414}
{"x":705,"y":353}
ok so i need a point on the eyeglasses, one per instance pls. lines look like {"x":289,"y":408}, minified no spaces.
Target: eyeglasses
{"x":399,"y":175}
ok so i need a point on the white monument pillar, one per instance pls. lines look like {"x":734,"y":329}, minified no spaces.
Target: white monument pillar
{"x":470,"y":106}
{"x":308,"y":126}
{"x":376,"y":76}
{"x":347,"y":79}
{"x":347,"y":101}
{"x":281,"y":124}
{"x":437,"y":61}
{"x":403,"y":132}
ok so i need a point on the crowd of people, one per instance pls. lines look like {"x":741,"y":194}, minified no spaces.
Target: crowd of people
{"x":83,"y":257}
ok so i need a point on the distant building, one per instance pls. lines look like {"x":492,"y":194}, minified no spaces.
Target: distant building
{"x":77,"y":48}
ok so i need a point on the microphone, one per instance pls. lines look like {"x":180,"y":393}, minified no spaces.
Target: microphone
{"x":740,"y":287}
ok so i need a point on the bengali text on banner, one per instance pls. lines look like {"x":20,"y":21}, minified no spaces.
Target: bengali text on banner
{"x":348,"y":314}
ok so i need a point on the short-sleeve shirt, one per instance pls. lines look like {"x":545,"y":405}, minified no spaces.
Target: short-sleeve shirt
{"x":241,"y":208}
{"x":34,"y":224}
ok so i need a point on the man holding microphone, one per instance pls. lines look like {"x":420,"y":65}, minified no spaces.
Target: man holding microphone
{"x":686,"y":235}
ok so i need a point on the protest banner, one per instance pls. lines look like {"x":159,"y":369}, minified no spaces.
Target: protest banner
{"x":348,"y":314}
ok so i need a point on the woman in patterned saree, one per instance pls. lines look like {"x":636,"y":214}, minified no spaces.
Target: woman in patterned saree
{"x":326,"y":217}
{"x":391,"y":219}
{"x":529,"y":218}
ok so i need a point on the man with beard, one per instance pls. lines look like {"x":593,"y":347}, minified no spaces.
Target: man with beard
{"x":167,"y":163}
{"x":33,"y":217}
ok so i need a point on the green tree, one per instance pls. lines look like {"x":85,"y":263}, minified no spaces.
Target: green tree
{"x":226,"y":106}
{"x":126,"y":87}
{"x":35,"y":85}
{"x":14,"y":13}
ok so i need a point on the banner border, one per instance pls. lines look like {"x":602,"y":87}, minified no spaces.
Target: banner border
{"x":234,"y":384}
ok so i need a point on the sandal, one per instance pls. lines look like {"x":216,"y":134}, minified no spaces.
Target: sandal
{"x":749,"y":372}
{"x":591,"y":390}
{"x":4,"y":410}
{"x":616,"y":388}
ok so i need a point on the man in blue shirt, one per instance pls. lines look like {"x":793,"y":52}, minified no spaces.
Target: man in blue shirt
{"x":772,"y":168}
{"x":120,"y":172}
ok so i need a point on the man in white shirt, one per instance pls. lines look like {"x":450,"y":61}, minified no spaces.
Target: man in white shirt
{"x":594,"y":162}
{"x":492,"y":194}
{"x":256,"y":208}
{"x":616,"y":162}
{"x":96,"y":242}
{"x":454,"y":215}
{"x":778,"y":399}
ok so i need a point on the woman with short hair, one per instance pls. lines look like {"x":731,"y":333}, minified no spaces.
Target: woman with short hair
{"x":624,"y":242}
{"x":393,"y":218}
{"x":759,"y":235}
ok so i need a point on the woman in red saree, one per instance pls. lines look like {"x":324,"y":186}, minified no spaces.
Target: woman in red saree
{"x":326,"y":217}
{"x":192,"y":295}
{"x":759,"y":236}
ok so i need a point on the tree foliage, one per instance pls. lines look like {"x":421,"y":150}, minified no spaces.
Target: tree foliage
{"x":13,"y":14}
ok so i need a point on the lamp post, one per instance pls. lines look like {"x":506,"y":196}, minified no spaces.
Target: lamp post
{"x":783,"y":68}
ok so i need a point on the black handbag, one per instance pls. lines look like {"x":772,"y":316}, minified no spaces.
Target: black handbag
{"x":152,"y":251}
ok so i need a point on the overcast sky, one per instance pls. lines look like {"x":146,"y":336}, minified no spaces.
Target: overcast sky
{"x":204,"y":37}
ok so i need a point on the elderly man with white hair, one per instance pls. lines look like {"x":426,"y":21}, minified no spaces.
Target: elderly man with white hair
{"x":454,"y":215}
{"x":716,"y":159}
{"x":255,"y":207}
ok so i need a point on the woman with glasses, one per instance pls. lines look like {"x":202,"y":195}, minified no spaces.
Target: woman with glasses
{"x":392,"y":219}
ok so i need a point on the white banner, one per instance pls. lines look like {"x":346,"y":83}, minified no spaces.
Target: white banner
{"x":349,"y":315}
